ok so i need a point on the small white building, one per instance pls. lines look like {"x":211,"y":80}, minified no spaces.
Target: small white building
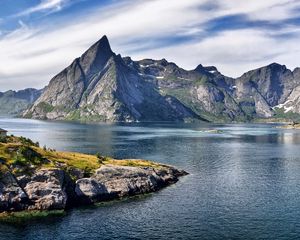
{"x":3,"y":132}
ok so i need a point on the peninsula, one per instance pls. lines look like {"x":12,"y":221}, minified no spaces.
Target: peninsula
{"x":34,"y":178}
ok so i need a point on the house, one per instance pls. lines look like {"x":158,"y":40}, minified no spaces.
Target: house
{"x":3,"y":132}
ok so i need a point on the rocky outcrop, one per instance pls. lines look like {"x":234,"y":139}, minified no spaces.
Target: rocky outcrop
{"x":53,"y":189}
{"x":110,"y":182}
{"x":12,"y":196}
{"x":46,"y":190}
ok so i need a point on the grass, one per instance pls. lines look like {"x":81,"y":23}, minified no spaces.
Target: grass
{"x":45,"y":107}
{"x":24,"y":216}
{"x":134,"y":163}
{"x":23,"y":156}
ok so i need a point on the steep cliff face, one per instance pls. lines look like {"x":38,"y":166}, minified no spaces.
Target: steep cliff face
{"x":204,"y":90}
{"x":266,"y":87}
{"x":15,"y":102}
{"x":103,"y":86}
{"x":100,"y":86}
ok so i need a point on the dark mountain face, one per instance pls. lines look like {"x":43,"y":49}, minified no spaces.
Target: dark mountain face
{"x":15,"y":102}
{"x":103,"y":86}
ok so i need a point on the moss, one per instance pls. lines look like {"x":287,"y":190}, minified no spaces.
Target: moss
{"x":24,"y":216}
{"x":204,"y":80}
{"x":83,"y":115}
{"x":45,"y":107}
{"x":291,"y":116}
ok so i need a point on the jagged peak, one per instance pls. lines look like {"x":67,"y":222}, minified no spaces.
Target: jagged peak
{"x":102,"y":44}
{"x":204,"y":69}
{"x":297,"y":69}
{"x":276,"y":65}
{"x":96,"y":56}
{"x":273,"y":67}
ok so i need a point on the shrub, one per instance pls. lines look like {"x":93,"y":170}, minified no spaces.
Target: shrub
{"x":3,"y":140}
{"x":27,"y":142}
{"x":25,"y":155}
{"x":101,"y":159}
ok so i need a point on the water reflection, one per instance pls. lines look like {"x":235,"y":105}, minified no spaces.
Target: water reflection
{"x":244,"y":181}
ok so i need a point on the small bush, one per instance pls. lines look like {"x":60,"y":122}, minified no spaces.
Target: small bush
{"x":3,"y":139}
{"x":27,"y":142}
{"x":25,"y":155}
{"x":101,"y":159}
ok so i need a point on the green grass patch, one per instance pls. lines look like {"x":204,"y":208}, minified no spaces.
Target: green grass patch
{"x":25,"y":216}
{"x":45,"y":107}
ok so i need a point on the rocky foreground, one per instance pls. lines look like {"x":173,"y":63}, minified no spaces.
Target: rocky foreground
{"x":33,"y":178}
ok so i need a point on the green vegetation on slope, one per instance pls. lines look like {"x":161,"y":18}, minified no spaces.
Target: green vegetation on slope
{"x":22,"y":155}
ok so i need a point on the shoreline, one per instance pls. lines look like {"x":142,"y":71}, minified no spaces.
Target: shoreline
{"x":34,"y":180}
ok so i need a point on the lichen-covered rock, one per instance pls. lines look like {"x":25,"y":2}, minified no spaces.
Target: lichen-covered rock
{"x":46,"y":190}
{"x":51,"y":189}
{"x":112,"y":181}
{"x":12,"y":197}
{"x":90,"y":190}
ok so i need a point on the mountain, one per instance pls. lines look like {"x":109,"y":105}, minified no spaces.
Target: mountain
{"x":15,"y":102}
{"x":100,"y":86}
{"x":103,"y":86}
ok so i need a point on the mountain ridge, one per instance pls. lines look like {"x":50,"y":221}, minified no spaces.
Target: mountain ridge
{"x":103,"y":86}
{"x":15,"y":102}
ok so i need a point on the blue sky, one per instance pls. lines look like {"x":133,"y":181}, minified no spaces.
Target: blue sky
{"x":38,"y":38}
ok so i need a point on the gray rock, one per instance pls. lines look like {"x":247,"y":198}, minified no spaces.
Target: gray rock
{"x":89,"y":188}
{"x":46,"y":190}
{"x":49,"y":189}
{"x":12,"y":197}
{"x":111,"y":181}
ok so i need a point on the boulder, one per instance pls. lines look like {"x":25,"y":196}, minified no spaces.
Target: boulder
{"x":112,"y":181}
{"x":46,"y":190}
{"x":12,"y":196}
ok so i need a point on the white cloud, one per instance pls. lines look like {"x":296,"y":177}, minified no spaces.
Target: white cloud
{"x":31,"y":56}
{"x":53,"y":5}
{"x":270,"y":10}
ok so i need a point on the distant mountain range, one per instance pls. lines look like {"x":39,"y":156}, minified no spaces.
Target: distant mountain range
{"x":15,"y":102}
{"x":103,"y":86}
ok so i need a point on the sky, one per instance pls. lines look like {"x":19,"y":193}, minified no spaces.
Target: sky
{"x":39,"y":38}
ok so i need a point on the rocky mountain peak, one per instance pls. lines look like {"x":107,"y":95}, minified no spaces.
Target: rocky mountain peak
{"x":96,"y":56}
{"x":204,"y":70}
{"x":276,"y":66}
{"x":102,"y":44}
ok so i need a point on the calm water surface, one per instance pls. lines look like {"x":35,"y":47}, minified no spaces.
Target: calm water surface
{"x":244,"y":182}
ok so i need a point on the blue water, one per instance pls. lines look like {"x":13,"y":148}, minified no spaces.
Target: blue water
{"x":244,"y":182}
